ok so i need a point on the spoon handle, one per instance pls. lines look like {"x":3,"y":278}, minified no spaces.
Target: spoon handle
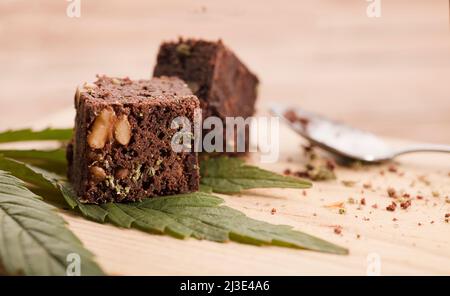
{"x":424,"y":148}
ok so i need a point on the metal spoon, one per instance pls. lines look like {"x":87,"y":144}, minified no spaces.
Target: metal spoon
{"x":344,"y":140}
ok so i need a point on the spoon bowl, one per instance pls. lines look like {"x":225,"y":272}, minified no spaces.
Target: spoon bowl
{"x":342,"y":139}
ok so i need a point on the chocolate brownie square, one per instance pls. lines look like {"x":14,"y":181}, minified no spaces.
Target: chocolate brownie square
{"x":223,"y":84}
{"x":122,"y":141}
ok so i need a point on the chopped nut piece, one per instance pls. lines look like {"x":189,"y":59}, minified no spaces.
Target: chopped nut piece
{"x":435,"y":193}
{"x":88,"y":86}
{"x":116,"y":81}
{"x":194,"y":86}
{"x":97,"y":173}
{"x":348,"y":183}
{"x":122,"y":174}
{"x":101,"y":129}
{"x":184,"y":49}
{"x":342,"y":211}
{"x":122,"y":130}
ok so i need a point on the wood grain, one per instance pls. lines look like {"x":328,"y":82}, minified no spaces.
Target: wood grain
{"x":389,"y":75}
{"x":403,"y":246}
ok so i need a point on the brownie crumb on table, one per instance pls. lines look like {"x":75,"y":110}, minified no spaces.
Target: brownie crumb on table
{"x":121,"y":149}
{"x":391,"y":207}
{"x":405,"y":204}
{"x":337,"y":229}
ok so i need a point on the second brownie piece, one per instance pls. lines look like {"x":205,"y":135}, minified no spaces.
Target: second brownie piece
{"x":224,"y":85}
{"x":122,"y":143}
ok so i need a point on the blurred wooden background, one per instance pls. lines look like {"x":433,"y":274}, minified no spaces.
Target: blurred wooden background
{"x":390,"y":75}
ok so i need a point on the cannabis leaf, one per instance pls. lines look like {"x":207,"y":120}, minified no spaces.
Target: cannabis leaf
{"x":199,"y":215}
{"x":33,"y":238}
{"x":232,"y":175}
{"x":30,"y":135}
{"x":50,"y":160}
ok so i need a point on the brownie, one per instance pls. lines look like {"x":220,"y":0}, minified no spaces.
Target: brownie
{"x":121,"y":149}
{"x":223,"y":84}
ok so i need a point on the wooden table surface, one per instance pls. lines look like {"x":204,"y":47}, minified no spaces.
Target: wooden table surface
{"x":389,"y":75}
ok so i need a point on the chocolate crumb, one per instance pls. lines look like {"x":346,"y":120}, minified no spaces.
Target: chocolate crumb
{"x":358,"y":236}
{"x":292,"y":116}
{"x":363,"y":201}
{"x":406,"y":204}
{"x":273,"y":211}
{"x":394,"y":219}
{"x":375,"y":206}
{"x":348,"y":183}
{"x":317,"y":168}
{"x":391,"y":207}
{"x":338,"y":229}
{"x":392,"y":168}
{"x":419,"y":224}
{"x":304,"y":193}
{"x":420,"y":197}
